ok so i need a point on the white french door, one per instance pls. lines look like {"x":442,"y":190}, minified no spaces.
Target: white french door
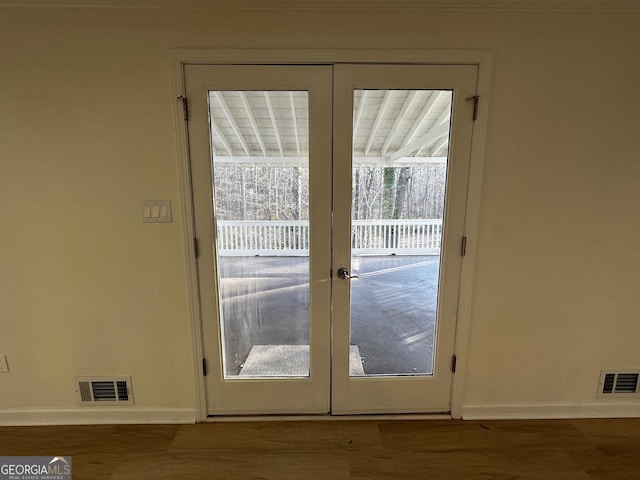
{"x":329,"y":208}
{"x":273,"y":308}
{"x":424,"y":124}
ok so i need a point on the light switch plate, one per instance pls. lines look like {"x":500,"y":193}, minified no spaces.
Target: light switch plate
{"x":156,"y":211}
{"x":4,"y":367}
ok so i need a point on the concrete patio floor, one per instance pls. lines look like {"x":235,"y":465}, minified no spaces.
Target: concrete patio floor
{"x":393,"y":307}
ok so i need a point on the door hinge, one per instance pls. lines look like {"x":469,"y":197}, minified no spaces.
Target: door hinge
{"x":454,"y":360}
{"x":185,"y":106}
{"x":196,"y":250}
{"x":463,"y":249}
{"x":475,"y":99}
{"x":204,"y":367}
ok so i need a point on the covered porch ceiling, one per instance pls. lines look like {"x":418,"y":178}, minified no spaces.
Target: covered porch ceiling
{"x":391,"y":127}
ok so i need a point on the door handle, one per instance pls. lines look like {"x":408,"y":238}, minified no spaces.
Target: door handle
{"x":343,"y":273}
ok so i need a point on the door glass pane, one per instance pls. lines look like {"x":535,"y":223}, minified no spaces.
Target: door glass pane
{"x":400,"y":151}
{"x":260,"y":143}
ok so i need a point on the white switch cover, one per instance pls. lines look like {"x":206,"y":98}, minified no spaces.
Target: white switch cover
{"x":156,"y":211}
{"x":4,"y":368}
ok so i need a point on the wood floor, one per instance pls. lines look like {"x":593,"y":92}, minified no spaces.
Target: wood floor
{"x":336,"y":450}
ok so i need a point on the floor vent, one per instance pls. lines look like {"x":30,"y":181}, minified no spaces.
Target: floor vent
{"x":618,"y":383}
{"x":104,"y":390}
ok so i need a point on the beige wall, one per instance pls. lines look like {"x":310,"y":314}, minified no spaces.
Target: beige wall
{"x":87,"y":132}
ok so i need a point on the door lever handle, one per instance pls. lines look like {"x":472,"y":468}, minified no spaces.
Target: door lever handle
{"x":343,"y":273}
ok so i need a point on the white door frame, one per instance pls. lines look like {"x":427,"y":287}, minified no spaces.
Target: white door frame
{"x":482,"y":58}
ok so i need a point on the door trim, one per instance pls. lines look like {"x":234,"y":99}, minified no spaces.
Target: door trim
{"x":178,"y":58}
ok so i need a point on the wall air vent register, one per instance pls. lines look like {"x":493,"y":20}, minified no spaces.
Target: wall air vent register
{"x":618,"y":384}
{"x":104,"y":391}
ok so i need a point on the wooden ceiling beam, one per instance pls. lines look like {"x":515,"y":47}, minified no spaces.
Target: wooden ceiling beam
{"x":358,"y":114}
{"x":401,"y":116}
{"x":430,"y":137}
{"x":232,"y":121}
{"x":302,"y":161}
{"x":295,"y":122}
{"x":426,"y":109}
{"x":252,"y":121}
{"x":376,"y":124}
{"x":272,"y":114}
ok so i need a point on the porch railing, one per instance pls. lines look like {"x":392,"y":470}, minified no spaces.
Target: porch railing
{"x":291,"y":238}
{"x":419,"y":237}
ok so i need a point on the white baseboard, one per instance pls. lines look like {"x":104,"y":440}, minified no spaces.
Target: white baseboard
{"x":551,"y":410}
{"x":95,"y":416}
{"x":480,"y":411}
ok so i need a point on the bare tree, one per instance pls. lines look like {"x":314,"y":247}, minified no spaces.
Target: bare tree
{"x":282,"y":193}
